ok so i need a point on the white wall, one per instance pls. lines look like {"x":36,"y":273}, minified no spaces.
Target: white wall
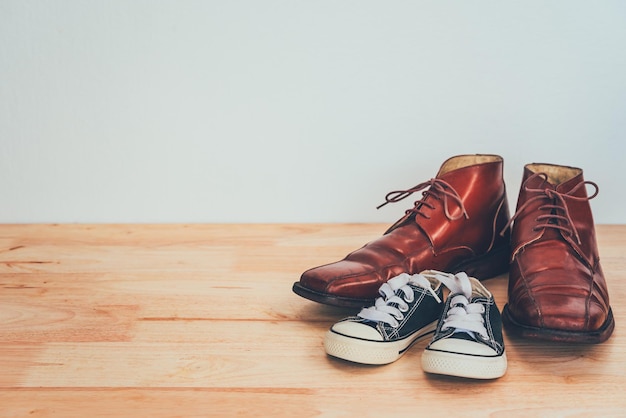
{"x":297,"y":111}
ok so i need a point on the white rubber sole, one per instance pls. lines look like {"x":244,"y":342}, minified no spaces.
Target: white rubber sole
{"x":462,"y":365}
{"x":372,"y":352}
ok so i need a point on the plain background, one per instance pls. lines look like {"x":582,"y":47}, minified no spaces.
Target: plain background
{"x":297,"y":111}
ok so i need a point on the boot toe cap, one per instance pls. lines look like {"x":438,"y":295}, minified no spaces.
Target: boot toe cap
{"x":559,"y":312}
{"x":343,"y":278}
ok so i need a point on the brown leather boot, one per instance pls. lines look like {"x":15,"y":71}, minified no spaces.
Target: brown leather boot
{"x":454,"y":227}
{"x":557,"y":291}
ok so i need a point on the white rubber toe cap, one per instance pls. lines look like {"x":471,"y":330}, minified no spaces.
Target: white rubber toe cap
{"x":454,"y":345}
{"x":357,"y":330}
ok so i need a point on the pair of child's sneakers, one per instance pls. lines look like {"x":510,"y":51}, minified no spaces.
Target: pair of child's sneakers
{"x":467,"y":328}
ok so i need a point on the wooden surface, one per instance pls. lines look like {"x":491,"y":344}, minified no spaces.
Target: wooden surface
{"x":200,"y":320}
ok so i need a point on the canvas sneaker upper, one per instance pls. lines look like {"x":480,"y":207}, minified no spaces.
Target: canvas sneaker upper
{"x":407,"y":310}
{"x":468,"y":340}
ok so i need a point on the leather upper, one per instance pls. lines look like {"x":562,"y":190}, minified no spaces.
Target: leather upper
{"x":556,"y":280}
{"x":457,"y":220}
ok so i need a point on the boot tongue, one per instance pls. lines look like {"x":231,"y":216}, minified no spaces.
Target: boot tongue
{"x":524,"y":233}
{"x":433,"y":215}
{"x":580,"y":213}
{"x":432,"y":208}
{"x":559,"y":179}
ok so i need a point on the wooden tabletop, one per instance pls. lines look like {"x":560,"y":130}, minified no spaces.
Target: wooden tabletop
{"x":200,"y":320}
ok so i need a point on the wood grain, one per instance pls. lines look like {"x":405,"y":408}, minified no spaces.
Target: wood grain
{"x":200,"y":320}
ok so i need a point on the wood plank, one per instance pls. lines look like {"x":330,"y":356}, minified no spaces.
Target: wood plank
{"x":199,"y":320}
{"x":433,"y":400}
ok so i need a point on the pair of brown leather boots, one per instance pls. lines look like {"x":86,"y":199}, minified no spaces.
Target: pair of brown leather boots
{"x":557,"y":290}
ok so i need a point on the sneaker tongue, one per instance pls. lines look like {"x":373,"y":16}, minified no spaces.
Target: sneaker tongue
{"x":463,"y":334}
{"x":370,"y":323}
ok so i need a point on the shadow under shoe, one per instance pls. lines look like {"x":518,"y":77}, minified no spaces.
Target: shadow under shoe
{"x":557,"y":290}
{"x":453,"y":227}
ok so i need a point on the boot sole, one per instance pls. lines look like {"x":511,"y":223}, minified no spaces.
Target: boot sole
{"x":372,"y":352}
{"x":484,"y":267}
{"x":557,"y":335}
{"x":464,"y":365}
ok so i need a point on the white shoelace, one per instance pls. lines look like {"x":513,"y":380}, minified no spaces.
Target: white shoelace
{"x":396,"y":291}
{"x":463,"y":316}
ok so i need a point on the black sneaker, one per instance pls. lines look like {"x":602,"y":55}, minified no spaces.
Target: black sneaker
{"x":407,"y":311}
{"x":468,"y":340}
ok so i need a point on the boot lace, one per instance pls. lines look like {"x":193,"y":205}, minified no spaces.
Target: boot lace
{"x":439,"y":189}
{"x":463,"y":315}
{"x":396,"y":294}
{"x":557,"y":216}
